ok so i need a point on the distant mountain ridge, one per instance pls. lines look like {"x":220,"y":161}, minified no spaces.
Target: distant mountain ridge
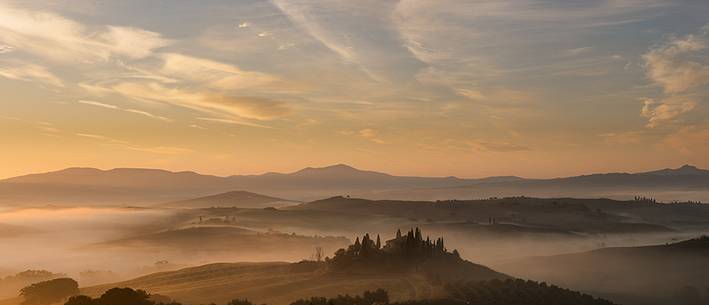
{"x":127,"y":186}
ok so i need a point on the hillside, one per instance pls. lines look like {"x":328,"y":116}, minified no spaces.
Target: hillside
{"x":123,"y":186}
{"x":238,"y":199}
{"x":650,"y":272}
{"x":224,"y":242}
{"x":415,"y":275}
{"x":564,"y":214}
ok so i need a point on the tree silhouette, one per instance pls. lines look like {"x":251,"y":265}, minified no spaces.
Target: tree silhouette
{"x":123,"y":296}
{"x":240,"y":302}
{"x":319,"y":254}
{"x":120,"y":296}
{"x":80,"y":300}
{"x":49,"y":292}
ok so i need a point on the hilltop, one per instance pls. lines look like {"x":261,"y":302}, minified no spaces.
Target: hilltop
{"x":239,"y":199}
{"x":409,"y":267}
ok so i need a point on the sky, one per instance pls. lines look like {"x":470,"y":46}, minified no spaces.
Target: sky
{"x":536,"y":88}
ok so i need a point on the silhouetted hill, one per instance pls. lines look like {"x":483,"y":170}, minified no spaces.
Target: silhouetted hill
{"x":409,"y":267}
{"x":121,"y":186}
{"x":684,"y":183}
{"x":142,"y":186}
{"x":593,"y":216}
{"x":649,"y":272}
{"x":685,"y":170}
{"x":239,"y":199}
{"x":411,"y":252}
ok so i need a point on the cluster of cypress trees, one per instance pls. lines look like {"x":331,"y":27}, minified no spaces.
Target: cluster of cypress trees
{"x":414,"y":244}
{"x":411,"y":245}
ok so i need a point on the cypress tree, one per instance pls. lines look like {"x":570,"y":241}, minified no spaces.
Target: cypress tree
{"x":357,"y":245}
{"x":379,"y":242}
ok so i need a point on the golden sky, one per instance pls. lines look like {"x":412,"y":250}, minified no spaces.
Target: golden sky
{"x":530,"y":88}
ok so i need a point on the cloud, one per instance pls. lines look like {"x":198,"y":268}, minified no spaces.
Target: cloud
{"x":471,"y":94}
{"x":233,"y":122}
{"x":6,"y":49}
{"x":680,"y":67}
{"x":499,"y":97}
{"x":681,"y":63}
{"x":497,"y":146}
{"x":243,"y":25}
{"x":667,"y":110}
{"x":163,"y":150}
{"x":98,"y":104}
{"x":147,"y":114}
{"x":55,"y":37}
{"x":300,"y":14}
{"x":197,"y":126}
{"x":371,"y":135}
{"x":626,"y":137}
{"x":577,"y":51}
{"x":136,"y":111}
{"x":31,"y":73}
{"x":244,"y":107}
{"x":101,"y":137}
{"x":212,"y":74}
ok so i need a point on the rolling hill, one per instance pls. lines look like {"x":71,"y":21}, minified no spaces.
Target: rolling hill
{"x":408,"y":267}
{"x":683,"y":183}
{"x":630,"y":275}
{"x":126,"y":186}
{"x":238,"y":199}
{"x":224,"y":242}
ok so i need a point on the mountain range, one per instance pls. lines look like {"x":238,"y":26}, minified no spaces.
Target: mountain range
{"x":132,"y":186}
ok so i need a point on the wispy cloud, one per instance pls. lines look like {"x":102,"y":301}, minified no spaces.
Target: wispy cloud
{"x":163,"y":150}
{"x":233,"y":122}
{"x":371,"y":135}
{"x":666,"y":110}
{"x":497,"y":146}
{"x":98,"y":104}
{"x":52,"y":36}
{"x":136,"y":111}
{"x":577,"y":51}
{"x":243,"y":107}
{"x":6,"y":49}
{"x":672,"y":67}
{"x":675,"y":66}
{"x":147,"y":114}
{"x":30,"y":73}
{"x":212,"y":74}
{"x":301,"y":15}
{"x":102,"y":138}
